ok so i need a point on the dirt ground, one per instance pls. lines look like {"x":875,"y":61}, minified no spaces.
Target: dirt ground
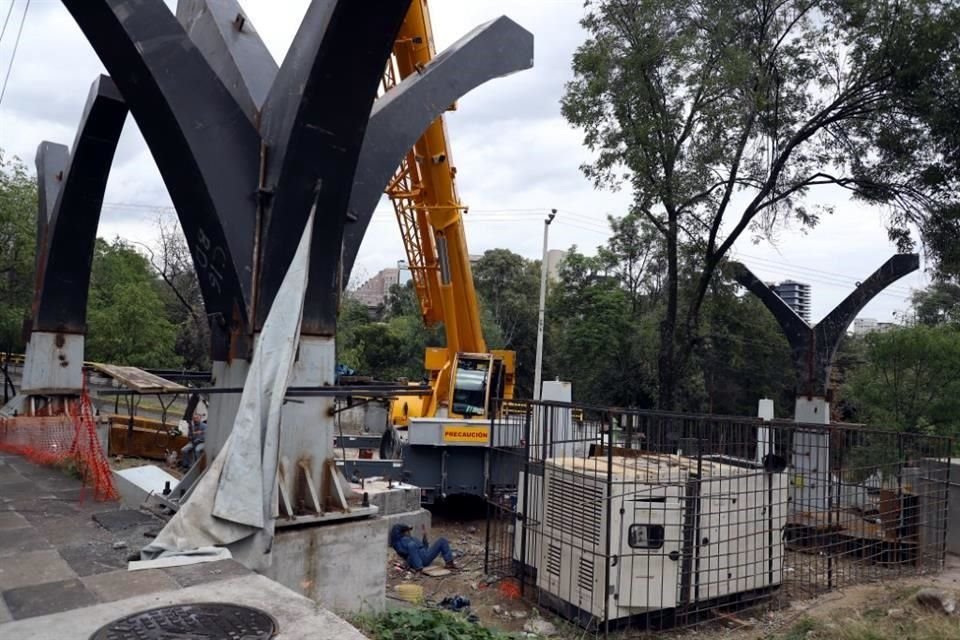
{"x":488,"y":599}
{"x":496,"y":607}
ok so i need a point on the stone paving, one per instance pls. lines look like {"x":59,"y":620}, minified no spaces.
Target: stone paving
{"x":63,"y":566}
{"x":60,"y":549}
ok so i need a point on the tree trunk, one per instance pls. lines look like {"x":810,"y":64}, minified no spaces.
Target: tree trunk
{"x":667,"y":365}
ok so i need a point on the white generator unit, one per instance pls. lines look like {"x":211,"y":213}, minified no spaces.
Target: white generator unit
{"x":680,"y":532}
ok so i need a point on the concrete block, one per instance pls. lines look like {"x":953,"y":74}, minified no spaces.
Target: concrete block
{"x":194,"y":574}
{"x":421,"y":520}
{"x":16,"y":541}
{"x":389,"y":498}
{"x":340,"y":566}
{"x":12,"y":520}
{"x":123,"y":519}
{"x":136,"y":483}
{"x":93,"y":557}
{"x":9,"y":475}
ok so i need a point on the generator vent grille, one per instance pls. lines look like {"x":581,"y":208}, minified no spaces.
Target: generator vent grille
{"x":585,"y":574}
{"x":553,"y":560}
{"x":575,"y":509}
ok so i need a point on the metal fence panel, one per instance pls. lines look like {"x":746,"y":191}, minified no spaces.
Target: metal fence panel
{"x":623,"y":518}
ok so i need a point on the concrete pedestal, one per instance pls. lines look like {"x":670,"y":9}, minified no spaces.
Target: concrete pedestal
{"x":343,"y":567}
{"x":810,"y":485}
{"x":53,"y":364}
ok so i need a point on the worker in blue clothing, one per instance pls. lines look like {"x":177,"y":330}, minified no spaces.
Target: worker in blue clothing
{"x":419,"y":553}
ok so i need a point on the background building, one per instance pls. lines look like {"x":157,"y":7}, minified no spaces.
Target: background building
{"x":554,"y":259}
{"x":795,"y":294}
{"x":863,"y":326}
{"x":374,"y":291}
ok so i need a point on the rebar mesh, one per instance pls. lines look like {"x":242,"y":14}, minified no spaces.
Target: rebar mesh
{"x":641,"y":520}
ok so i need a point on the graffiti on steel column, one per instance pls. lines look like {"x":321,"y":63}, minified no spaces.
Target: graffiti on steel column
{"x":211,"y":260}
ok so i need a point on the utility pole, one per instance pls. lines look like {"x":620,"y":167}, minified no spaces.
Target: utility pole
{"x":538,"y":367}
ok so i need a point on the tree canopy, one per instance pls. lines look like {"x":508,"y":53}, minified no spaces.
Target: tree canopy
{"x":130,"y":319}
{"x":18,"y":230}
{"x":723,"y":117}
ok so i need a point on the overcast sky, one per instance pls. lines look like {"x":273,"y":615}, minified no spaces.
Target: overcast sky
{"x":516,"y":157}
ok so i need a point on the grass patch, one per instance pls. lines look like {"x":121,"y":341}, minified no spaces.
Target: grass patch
{"x":801,"y":630}
{"x":913,"y":624}
{"x":423,"y":624}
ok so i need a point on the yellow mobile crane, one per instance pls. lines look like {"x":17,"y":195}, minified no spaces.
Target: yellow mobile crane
{"x":465,"y":376}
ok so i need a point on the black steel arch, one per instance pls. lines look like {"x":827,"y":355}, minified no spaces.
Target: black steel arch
{"x":69,"y":211}
{"x":495,"y":49}
{"x":246,"y":147}
{"x":813,"y":348}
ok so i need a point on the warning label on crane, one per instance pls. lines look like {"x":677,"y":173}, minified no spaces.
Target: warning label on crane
{"x":461,"y":433}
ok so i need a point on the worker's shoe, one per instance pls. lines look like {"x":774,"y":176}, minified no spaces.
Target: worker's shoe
{"x":452,"y":566}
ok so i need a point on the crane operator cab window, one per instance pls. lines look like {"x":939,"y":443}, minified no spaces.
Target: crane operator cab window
{"x":471,"y":385}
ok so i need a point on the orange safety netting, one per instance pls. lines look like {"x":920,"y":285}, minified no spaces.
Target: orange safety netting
{"x":68,"y":441}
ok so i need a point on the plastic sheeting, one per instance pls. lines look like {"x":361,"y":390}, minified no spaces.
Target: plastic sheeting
{"x":234,"y":504}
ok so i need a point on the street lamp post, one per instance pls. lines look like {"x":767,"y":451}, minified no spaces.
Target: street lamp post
{"x":538,"y":367}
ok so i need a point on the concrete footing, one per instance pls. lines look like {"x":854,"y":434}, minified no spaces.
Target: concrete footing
{"x":342,"y":567}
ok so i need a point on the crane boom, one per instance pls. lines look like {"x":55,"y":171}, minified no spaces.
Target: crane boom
{"x":430,"y":214}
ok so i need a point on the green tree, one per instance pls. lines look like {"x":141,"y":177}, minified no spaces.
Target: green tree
{"x":509,"y":287}
{"x":910,"y":380}
{"x":593,"y":339}
{"x":937,"y":304}
{"x":18,"y":230}
{"x":743,"y":355}
{"x":126,"y":317}
{"x":722,"y":116}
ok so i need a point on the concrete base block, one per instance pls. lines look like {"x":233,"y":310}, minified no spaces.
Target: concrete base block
{"x":389,"y":497}
{"x":136,"y":484}
{"x":53,"y":364}
{"x":399,"y":503}
{"x":342,"y":567}
{"x":421,"y":520}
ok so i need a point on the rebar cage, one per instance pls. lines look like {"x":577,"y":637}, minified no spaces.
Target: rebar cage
{"x":623,"y":519}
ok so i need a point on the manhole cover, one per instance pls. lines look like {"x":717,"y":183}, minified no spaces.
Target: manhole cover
{"x":207,"y":621}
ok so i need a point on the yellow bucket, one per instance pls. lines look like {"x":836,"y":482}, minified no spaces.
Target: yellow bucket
{"x":410,"y":592}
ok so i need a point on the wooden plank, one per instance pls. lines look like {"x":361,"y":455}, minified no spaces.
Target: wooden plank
{"x":143,"y":442}
{"x":138,"y":379}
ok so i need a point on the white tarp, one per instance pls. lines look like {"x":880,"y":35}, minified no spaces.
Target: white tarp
{"x":235,"y":502}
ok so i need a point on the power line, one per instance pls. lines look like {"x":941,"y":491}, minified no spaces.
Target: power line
{"x":7,"y":19}
{"x":13,"y":54}
{"x":585,"y":223}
